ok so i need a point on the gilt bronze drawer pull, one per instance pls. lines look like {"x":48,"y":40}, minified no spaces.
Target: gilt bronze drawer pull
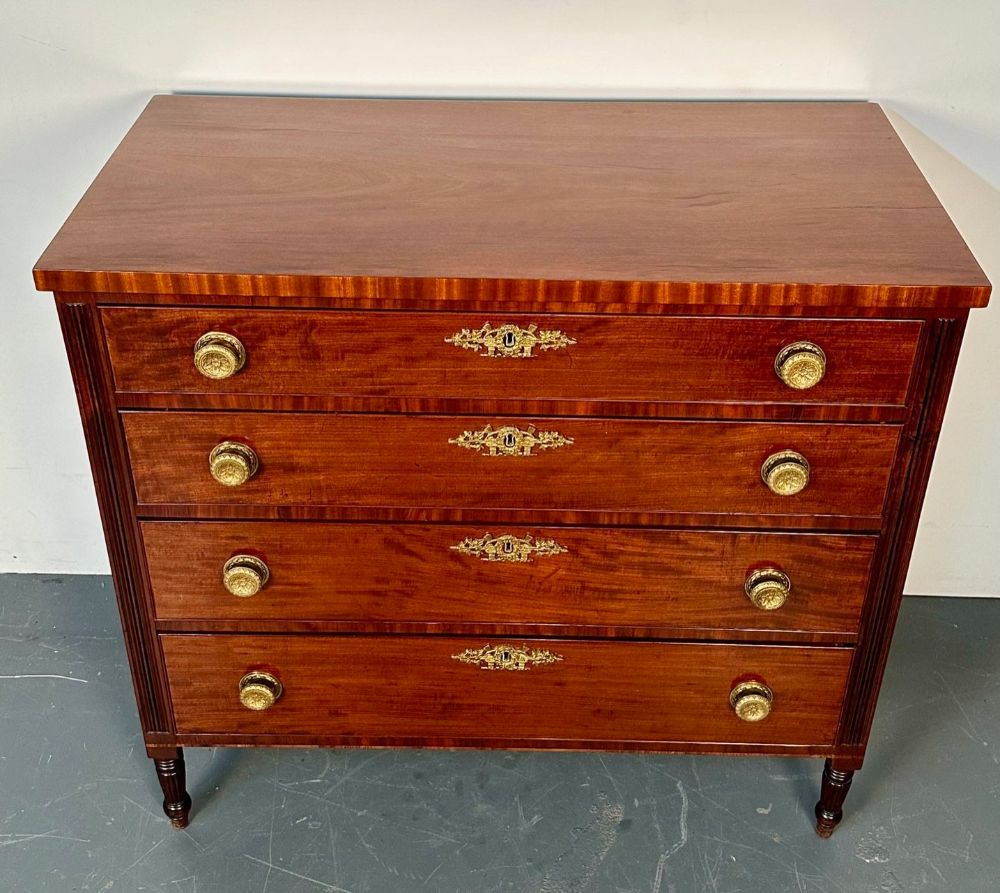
{"x":785,"y":473}
{"x":768,"y":588}
{"x":232,"y":463}
{"x":259,"y":690}
{"x":509,"y":340}
{"x":751,"y":701}
{"x":219,"y":355}
{"x":244,"y":575}
{"x":507,"y":547}
{"x":801,"y":365}
{"x":510,"y":441}
{"x":505,"y":657}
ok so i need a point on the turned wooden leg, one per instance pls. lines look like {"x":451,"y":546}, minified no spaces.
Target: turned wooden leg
{"x":176,"y":802}
{"x":829,"y":810}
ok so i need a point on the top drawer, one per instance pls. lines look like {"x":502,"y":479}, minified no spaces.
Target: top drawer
{"x":473,"y":356}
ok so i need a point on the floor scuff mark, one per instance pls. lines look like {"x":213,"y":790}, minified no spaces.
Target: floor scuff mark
{"x":572,"y":874}
{"x":871,"y":847}
{"x":661,"y":863}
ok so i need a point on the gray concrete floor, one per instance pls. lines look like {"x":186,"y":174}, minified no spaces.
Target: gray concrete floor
{"x":79,"y":805}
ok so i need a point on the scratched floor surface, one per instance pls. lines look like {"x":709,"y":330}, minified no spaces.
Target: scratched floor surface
{"x":79,"y":804}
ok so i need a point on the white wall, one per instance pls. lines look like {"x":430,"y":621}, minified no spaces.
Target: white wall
{"x":74,"y":75}
{"x":957,"y":545}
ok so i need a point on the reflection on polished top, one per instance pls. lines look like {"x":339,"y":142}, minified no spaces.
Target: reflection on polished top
{"x":796,"y":203}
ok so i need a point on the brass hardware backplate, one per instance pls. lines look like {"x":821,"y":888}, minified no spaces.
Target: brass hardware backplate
{"x":507,"y":547}
{"x":232,"y":463}
{"x":505,"y":657}
{"x":259,"y":690}
{"x":510,"y":441}
{"x":801,"y":365}
{"x":768,"y":588}
{"x":786,"y":473}
{"x":245,"y":575}
{"x":509,"y":340}
{"x":751,"y":701}
{"x":219,"y":355}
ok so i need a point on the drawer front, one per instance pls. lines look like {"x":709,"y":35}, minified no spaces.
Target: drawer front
{"x":595,"y":577}
{"x":432,"y":687}
{"x":584,"y":358}
{"x":574,"y":464}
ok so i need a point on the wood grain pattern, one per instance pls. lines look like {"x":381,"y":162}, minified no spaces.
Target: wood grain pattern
{"x":313,"y":740}
{"x":747,"y":635}
{"x":406,"y":355}
{"x":510,"y":303}
{"x":416,"y":514}
{"x":679,"y":581}
{"x":502,"y":406}
{"x":653,"y":202}
{"x":612,"y":465}
{"x":366,"y":687}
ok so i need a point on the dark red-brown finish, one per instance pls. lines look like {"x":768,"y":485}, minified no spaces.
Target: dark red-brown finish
{"x":407,"y":355}
{"x":680,"y":245}
{"x":830,"y":808}
{"x":643,"y":202}
{"x":611,"y":465}
{"x":912,"y":474}
{"x":765,"y":412}
{"x":357,"y":689}
{"x":601,"y":302}
{"x":653,"y":582}
{"x":171,"y":774}
{"x":317,"y":739}
{"x":108,"y":462}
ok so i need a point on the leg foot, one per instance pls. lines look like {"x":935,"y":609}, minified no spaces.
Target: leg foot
{"x":829,"y":810}
{"x":176,"y":802}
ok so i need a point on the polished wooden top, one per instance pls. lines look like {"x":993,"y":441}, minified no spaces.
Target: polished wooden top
{"x":633,"y":202}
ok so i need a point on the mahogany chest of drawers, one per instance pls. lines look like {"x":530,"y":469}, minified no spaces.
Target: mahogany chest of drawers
{"x":510,"y":424}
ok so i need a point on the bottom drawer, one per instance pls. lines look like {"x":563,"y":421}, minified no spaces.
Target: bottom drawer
{"x":440,"y":689}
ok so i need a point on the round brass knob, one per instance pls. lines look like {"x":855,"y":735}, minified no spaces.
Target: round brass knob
{"x":751,"y":701}
{"x":244,"y":575}
{"x":232,"y":463}
{"x":801,"y":365}
{"x":259,"y":690}
{"x":785,"y":473}
{"x":768,"y":588}
{"x":218,"y":355}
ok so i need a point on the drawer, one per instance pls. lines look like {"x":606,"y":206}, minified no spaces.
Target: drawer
{"x":553,"y":357}
{"x":445,"y":574}
{"x":472,"y":462}
{"x":433,"y":688}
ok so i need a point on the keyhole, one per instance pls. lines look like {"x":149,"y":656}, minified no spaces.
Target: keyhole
{"x":509,"y":440}
{"x":508,"y":546}
{"x":509,"y":339}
